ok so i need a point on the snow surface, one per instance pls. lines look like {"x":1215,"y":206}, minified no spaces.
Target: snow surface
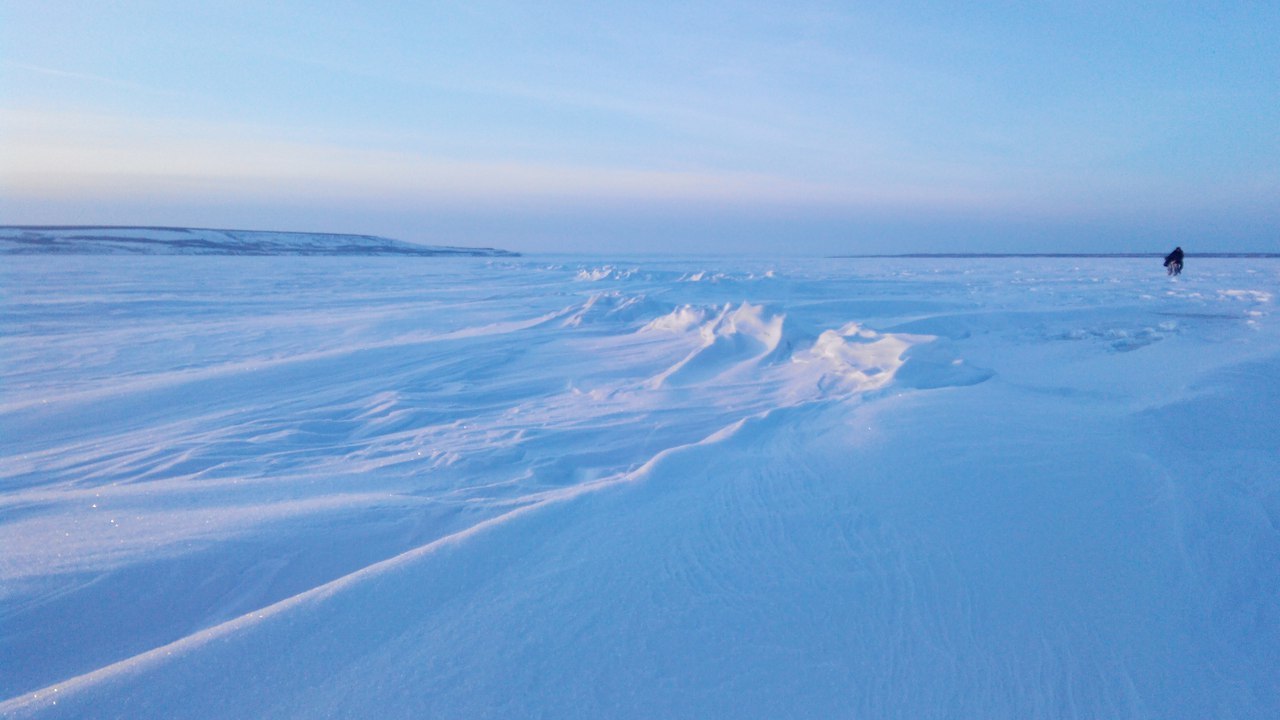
{"x":240,"y":487}
{"x":111,"y":240}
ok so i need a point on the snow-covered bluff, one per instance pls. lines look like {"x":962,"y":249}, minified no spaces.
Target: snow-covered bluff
{"x":100,"y":240}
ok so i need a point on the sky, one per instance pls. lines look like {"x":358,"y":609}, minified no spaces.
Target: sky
{"x":658,"y":127}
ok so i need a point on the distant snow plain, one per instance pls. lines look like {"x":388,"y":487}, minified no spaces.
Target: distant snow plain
{"x":238,"y":487}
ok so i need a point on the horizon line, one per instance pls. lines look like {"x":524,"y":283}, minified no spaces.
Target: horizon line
{"x":979,"y":255}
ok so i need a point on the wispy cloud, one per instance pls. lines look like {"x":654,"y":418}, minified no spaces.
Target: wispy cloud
{"x":94,"y":79}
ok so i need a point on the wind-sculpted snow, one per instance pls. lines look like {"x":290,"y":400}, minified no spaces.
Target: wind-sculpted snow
{"x":744,"y":345}
{"x":909,"y":488}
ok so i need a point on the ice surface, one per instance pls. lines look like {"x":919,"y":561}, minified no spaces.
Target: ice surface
{"x":547,"y":487}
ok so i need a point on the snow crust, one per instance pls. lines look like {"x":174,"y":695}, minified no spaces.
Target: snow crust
{"x":547,"y":487}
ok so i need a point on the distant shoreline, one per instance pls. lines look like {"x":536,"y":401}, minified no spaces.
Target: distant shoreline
{"x":165,"y":240}
{"x":174,"y":228}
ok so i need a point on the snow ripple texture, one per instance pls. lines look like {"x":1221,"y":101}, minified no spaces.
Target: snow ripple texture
{"x":467,"y":488}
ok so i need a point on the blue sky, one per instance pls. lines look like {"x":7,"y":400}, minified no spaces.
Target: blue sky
{"x":795,"y":127}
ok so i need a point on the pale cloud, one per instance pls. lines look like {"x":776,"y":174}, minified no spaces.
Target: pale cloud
{"x":105,"y":157}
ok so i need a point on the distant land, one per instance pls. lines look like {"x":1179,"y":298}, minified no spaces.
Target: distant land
{"x":116,"y":240}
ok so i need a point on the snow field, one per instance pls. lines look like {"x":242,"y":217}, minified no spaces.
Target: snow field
{"x":914,"y":488}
